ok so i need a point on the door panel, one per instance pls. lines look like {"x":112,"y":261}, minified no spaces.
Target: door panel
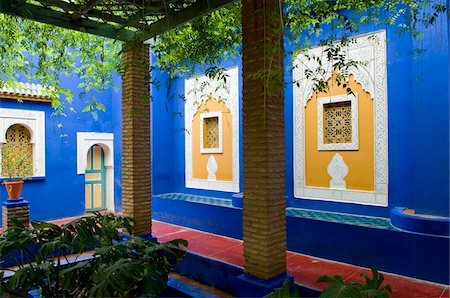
{"x":95,"y":179}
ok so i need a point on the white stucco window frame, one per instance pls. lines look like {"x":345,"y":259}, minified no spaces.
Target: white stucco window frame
{"x":85,"y":140}
{"x":353,"y":99}
{"x":370,"y":49}
{"x":204,"y":116}
{"x":34,"y":121}
{"x":230,"y":95}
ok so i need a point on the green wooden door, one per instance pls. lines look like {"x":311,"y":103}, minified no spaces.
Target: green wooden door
{"x":95,"y":179}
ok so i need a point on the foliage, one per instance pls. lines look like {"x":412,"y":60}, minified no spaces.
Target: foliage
{"x":56,"y":259}
{"x":16,"y":163}
{"x":45,"y":53}
{"x":287,"y":290}
{"x":370,"y":288}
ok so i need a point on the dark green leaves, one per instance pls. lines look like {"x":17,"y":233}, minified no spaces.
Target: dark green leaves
{"x":286,"y":291}
{"x":371,"y":287}
{"x":48,"y":258}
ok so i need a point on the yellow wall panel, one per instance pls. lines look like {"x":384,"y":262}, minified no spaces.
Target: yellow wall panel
{"x":97,"y":158}
{"x":88,"y":195}
{"x":360,"y":162}
{"x":97,"y":195}
{"x":95,"y":176}
{"x":224,"y":160}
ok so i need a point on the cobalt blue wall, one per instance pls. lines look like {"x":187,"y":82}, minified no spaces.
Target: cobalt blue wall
{"x":417,"y":129}
{"x":431,"y":121}
{"x":61,"y":192}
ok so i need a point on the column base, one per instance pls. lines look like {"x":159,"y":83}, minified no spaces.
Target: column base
{"x":250,"y":286}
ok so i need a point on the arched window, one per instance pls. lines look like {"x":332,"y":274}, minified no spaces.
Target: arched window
{"x":19,"y":137}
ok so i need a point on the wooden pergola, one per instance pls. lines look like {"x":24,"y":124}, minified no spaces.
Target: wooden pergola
{"x":134,"y":21}
{"x":125,"y":20}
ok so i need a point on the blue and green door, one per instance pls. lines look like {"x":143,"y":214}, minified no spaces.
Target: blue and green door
{"x":95,"y":179}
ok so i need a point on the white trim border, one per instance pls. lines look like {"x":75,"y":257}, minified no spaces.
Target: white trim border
{"x":202,"y":118}
{"x":34,"y":121}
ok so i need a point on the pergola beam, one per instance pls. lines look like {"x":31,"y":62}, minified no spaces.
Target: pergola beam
{"x":200,"y":8}
{"x":70,"y":7}
{"x":86,"y":19}
{"x":85,"y":9}
{"x":56,"y":18}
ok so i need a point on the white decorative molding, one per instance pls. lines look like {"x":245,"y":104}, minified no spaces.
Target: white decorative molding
{"x":353,"y":99}
{"x":85,"y":140}
{"x":337,"y":169}
{"x":204,"y":116}
{"x":371,"y":50}
{"x":34,"y":121}
{"x":26,"y":89}
{"x":211,"y":167}
{"x":229,"y":93}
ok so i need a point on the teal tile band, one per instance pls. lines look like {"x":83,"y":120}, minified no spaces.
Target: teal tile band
{"x":350,"y":219}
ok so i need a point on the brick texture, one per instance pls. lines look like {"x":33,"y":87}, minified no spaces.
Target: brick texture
{"x":22,"y":213}
{"x":136,"y":157}
{"x":264,"y":218}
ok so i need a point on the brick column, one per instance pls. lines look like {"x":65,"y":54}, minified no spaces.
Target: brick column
{"x":264,"y":220}
{"x":136,"y":157}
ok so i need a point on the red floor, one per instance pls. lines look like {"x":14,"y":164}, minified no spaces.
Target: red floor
{"x":305,"y":269}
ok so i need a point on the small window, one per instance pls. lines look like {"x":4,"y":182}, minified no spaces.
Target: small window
{"x":211,"y":132}
{"x":18,"y":136}
{"x":337,"y":120}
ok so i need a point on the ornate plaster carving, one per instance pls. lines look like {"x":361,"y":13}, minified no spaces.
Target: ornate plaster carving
{"x":211,"y":167}
{"x":197,"y":91}
{"x":34,"y":121}
{"x":371,"y":50}
{"x":337,"y":169}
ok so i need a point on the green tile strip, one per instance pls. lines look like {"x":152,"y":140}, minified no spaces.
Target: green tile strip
{"x":197,"y":199}
{"x":350,"y":219}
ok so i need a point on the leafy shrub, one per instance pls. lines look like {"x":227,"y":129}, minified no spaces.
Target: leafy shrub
{"x":15,"y":163}
{"x":371,"y":287}
{"x":287,"y":290}
{"x":86,"y":257}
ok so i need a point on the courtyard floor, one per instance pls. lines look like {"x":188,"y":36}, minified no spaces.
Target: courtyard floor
{"x":305,"y":269}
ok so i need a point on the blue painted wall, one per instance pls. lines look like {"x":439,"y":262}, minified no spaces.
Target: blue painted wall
{"x":418,"y":134}
{"x":61,"y":192}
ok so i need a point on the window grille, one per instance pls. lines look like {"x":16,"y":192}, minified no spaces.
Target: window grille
{"x":20,"y":138}
{"x":212,"y":132}
{"x":337,"y":122}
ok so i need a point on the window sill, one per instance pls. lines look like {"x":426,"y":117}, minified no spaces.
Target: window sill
{"x":34,"y":178}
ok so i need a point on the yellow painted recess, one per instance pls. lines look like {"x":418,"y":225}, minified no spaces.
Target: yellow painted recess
{"x":361,"y":162}
{"x":97,"y":195}
{"x":224,"y":160}
{"x":88,"y":195}
{"x":97,"y":158}
{"x":96,"y":176}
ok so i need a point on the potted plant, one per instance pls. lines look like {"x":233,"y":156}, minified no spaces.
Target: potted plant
{"x":16,"y":166}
